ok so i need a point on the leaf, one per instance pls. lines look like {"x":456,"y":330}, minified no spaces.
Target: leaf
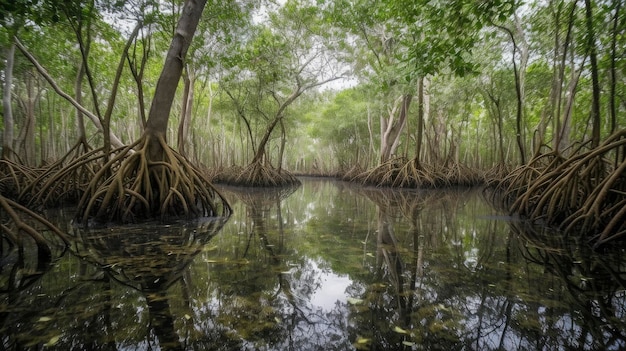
{"x":369,"y":254}
{"x":355,"y":301}
{"x":408,"y":343}
{"x":362,"y":340}
{"x":44,"y":319}
{"x":53,"y":341}
{"x":399,"y":330}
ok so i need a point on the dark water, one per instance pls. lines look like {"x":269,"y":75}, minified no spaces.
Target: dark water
{"x":327,"y":266}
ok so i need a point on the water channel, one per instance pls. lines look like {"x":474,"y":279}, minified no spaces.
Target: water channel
{"x":325,"y":266}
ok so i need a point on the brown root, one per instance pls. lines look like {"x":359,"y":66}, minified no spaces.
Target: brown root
{"x":14,"y":178}
{"x":585,"y":193}
{"x":403,"y":173}
{"x":131,"y":187}
{"x":20,"y":221}
{"x":66,"y":179}
{"x":256,"y":174}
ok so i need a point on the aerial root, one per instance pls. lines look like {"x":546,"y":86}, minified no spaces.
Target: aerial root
{"x":20,"y":221}
{"x":404,"y":173}
{"x":585,"y":192}
{"x":256,"y":174}
{"x":131,"y":187}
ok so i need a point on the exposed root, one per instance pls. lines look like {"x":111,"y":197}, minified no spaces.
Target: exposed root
{"x":131,"y":187}
{"x":14,"y":227}
{"x":66,"y":179}
{"x":585,"y":193}
{"x":257,"y":174}
{"x":14,"y":178}
{"x":403,"y":173}
{"x":352,"y":173}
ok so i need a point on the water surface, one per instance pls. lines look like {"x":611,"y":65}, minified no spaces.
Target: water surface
{"x":326,"y":266}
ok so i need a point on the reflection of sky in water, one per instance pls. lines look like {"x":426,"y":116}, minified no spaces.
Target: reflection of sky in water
{"x":332,"y":289}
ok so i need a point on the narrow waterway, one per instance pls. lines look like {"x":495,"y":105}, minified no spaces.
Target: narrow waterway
{"x":326,"y":266}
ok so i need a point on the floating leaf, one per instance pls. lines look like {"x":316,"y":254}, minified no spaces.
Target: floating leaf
{"x":44,"y":319}
{"x":408,"y":343}
{"x":354,"y":301}
{"x":53,"y":341}
{"x":362,"y":340}
{"x":399,"y":330}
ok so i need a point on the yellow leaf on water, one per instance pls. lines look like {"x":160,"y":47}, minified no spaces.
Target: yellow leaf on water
{"x":408,"y":343}
{"x":400,"y":330}
{"x":53,"y":341}
{"x":354,"y":301}
{"x":44,"y":319}
{"x":361,"y":340}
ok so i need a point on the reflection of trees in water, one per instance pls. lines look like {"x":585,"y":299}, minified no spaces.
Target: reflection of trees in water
{"x":150,"y":258}
{"x":479,"y":290}
{"x":29,"y":244}
{"x":81,"y":306}
{"x":395,"y":297}
{"x":593,"y":284}
{"x":272,"y":309}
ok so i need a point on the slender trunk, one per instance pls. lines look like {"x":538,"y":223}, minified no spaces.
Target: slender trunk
{"x":283,"y":140}
{"x":420,"y":120}
{"x":183,"y":125}
{"x":595,"y":85}
{"x":166,"y":86}
{"x":559,"y":139}
{"x":96,"y":121}
{"x":78,"y":95}
{"x":7,"y":140}
{"x":613,"y":68}
{"x":390,"y":137}
{"x":518,"y":92}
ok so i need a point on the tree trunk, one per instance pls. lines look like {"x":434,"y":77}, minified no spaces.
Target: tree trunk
{"x":185,"y":114}
{"x":165,"y":90}
{"x":559,"y":139}
{"x":392,"y":130}
{"x":420,"y":120}
{"x":7,"y":140}
{"x":595,"y":85}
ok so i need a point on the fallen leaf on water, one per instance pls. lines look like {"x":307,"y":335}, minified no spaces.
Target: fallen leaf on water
{"x":354,"y":301}
{"x":408,"y":343}
{"x":361,"y":340}
{"x":44,"y":319}
{"x":53,"y":341}
{"x":400,"y":330}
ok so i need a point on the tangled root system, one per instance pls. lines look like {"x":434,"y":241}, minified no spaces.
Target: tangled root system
{"x":131,"y":187}
{"x":18,"y":222}
{"x":585,"y":193}
{"x":66,"y":179}
{"x":256,"y":174}
{"x":403,"y":173}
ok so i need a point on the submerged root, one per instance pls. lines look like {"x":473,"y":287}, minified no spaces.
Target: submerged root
{"x":257,"y":174}
{"x":131,"y":187}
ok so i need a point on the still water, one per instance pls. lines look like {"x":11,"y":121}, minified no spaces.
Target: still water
{"x":326,"y":266}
